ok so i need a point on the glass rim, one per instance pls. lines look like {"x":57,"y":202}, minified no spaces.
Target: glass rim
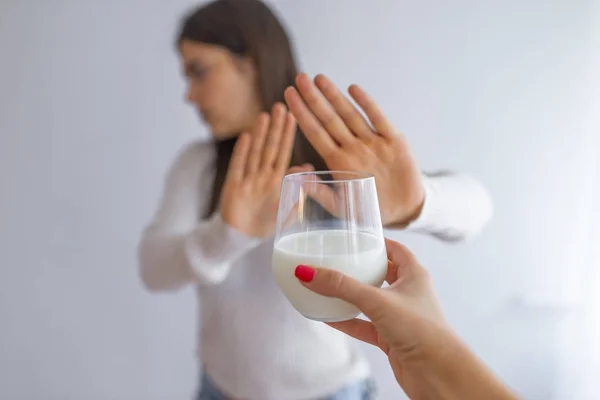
{"x":358,"y":176}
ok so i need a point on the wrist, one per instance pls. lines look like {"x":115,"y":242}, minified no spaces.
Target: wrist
{"x":407,"y":215}
{"x":416,"y":211}
{"x":246,"y":227}
{"x":240,"y":229}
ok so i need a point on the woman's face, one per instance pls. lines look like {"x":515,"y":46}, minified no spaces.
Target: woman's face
{"x":221,"y":86}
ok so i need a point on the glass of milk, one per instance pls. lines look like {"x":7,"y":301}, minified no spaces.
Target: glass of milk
{"x":331,"y":220}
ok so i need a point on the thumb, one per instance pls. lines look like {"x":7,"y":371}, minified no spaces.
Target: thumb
{"x":331,"y":283}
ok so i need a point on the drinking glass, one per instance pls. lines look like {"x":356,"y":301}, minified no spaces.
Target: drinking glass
{"x":328,"y":219}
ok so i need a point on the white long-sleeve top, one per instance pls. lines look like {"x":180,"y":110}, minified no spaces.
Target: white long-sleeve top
{"x":254,"y":345}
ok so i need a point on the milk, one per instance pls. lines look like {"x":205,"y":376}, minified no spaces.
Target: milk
{"x":357,"y":254}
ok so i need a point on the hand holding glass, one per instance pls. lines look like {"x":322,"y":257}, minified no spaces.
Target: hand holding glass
{"x":328,"y":220}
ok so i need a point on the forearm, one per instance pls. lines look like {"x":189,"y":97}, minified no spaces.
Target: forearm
{"x":451,"y":371}
{"x":163,"y":263}
{"x":456,"y":207}
{"x":203,"y":255}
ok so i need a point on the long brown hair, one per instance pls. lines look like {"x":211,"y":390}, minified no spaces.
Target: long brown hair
{"x":248,"y":28}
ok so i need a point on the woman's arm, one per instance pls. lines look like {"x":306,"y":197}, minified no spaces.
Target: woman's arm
{"x":171,"y":259}
{"x":407,"y":323}
{"x":451,"y":207}
{"x":456,"y":207}
{"x":177,"y":248}
{"x":449,"y":370}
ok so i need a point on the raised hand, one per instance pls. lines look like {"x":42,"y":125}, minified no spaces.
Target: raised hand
{"x":347,"y":141}
{"x":250,"y":195}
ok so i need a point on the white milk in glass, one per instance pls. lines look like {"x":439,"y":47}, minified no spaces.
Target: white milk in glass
{"x":357,"y":254}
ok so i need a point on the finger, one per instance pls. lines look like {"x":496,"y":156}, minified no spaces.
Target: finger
{"x":327,"y":282}
{"x":318,"y":191}
{"x":379,"y":121}
{"x":239,"y":157}
{"x":399,"y":254}
{"x":284,"y":152}
{"x":345,"y":109}
{"x":259,"y":134}
{"x":392,"y":273}
{"x":309,"y":125}
{"x":324,"y":195}
{"x":324,"y":112}
{"x":358,"y":329}
{"x":299,"y":169}
{"x":291,"y":218}
{"x":403,"y":260}
{"x":274,"y":136}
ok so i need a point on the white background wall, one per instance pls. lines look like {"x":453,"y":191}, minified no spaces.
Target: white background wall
{"x":91,"y":115}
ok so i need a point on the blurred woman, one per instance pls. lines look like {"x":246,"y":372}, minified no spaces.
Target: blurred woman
{"x":214,"y":226}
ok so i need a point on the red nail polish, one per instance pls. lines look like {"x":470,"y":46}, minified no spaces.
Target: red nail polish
{"x":304,"y":273}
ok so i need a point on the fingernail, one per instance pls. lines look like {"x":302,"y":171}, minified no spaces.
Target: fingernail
{"x":304,"y":273}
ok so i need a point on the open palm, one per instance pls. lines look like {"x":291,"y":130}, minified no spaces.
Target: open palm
{"x":250,"y":195}
{"x":347,"y":141}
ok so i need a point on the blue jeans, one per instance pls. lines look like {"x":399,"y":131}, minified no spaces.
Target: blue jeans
{"x":363,"y":390}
